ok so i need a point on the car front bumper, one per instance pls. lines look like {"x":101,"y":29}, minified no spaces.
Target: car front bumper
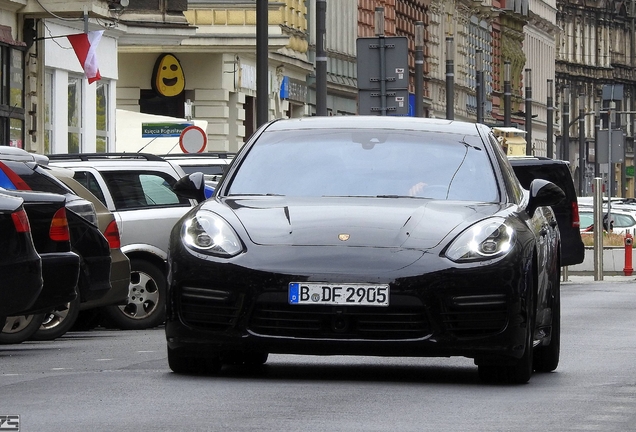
{"x":476,"y":311}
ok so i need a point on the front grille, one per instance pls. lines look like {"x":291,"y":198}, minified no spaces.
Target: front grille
{"x":475,"y":315}
{"x":403,"y":319}
{"x":207,"y":309}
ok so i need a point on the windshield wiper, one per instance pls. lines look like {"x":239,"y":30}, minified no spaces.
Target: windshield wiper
{"x":397,"y":196}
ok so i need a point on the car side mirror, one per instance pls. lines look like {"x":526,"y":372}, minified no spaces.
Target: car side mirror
{"x":191,"y":186}
{"x":542,"y":194}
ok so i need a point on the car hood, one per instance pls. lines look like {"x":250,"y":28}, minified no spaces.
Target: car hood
{"x":355,"y":222}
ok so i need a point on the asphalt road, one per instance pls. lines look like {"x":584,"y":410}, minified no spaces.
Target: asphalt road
{"x":110,"y":380}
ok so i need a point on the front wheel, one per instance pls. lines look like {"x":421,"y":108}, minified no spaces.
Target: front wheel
{"x":146,"y":299}
{"x":183,"y":363}
{"x":17,"y":329}
{"x":546,"y":358}
{"x":519,"y":371}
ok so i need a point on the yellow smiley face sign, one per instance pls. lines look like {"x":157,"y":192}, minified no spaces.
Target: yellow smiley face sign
{"x":167,"y":77}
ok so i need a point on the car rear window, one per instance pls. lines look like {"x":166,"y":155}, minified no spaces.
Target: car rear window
{"x":89,"y":181}
{"x":37,"y":179}
{"x":205,"y":169}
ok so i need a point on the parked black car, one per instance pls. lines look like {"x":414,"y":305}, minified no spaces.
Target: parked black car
{"x":60,"y":265}
{"x":86,"y":238}
{"x":529,"y":168}
{"x":20,"y":264}
{"x":373,"y":236}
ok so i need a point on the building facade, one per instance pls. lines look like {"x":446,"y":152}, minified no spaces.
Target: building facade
{"x":595,"y":51}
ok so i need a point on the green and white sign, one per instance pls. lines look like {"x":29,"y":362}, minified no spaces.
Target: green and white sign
{"x":156,"y":130}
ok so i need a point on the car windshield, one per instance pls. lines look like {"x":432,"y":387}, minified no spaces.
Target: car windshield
{"x":376,"y":163}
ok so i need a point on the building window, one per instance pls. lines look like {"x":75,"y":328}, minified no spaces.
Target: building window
{"x":101,"y":117}
{"x":11,"y":96}
{"x":48,"y":111}
{"x":74,"y":114}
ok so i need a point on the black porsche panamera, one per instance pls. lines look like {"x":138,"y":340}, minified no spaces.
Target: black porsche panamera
{"x":358,"y":235}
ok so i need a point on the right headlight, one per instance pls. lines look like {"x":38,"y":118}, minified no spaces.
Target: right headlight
{"x":210,"y":234}
{"x":488,"y":239}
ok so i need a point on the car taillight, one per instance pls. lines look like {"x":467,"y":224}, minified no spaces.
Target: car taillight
{"x":21,"y":221}
{"x":17,"y":181}
{"x":576,"y":221}
{"x":112,"y":235}
{"x":59,"y":227}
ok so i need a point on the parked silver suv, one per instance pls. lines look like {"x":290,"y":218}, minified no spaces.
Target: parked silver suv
{"x":137,"y":189}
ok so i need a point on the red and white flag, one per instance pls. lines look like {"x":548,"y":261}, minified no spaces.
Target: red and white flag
{"x":85,"y":47}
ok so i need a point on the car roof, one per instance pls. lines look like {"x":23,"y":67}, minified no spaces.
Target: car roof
{"x":16,"y":154}
{"x":536,"y":160}
{"x":115,"y":162}
{"x":375,"y":122}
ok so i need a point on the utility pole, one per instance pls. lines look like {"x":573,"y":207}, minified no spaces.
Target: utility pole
{"x":262,"y":63}
{"x":321,"y":58}
{"x":450,"y":78}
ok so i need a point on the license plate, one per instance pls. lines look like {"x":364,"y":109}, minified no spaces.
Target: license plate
{"x":345,"y":294}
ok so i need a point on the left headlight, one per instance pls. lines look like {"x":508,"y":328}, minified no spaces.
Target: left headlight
{"x":209,"y":233}
{"x":488,"y":239}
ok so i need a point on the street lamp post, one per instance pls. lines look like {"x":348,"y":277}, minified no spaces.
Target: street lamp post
{"x":321,"y":58}
{"x":550,"y":120}
{"x":528,"y":112}
{"x":450,"y":78}
{"x":262,"y":63}
{"x":479,"y":80}
{"x":379,"y":32}
{"x":565,"y":125}
{"x":419,"y":69}
{"x":581,"y":144}
{"x":597,"y":128}
{"x":507,"y":96}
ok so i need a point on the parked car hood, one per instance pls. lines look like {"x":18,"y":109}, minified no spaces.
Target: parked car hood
{"x":368,"y":222}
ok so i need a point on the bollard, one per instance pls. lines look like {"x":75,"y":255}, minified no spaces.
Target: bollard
{"x":629,"y":240}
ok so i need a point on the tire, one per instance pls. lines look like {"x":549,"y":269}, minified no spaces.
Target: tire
{"x":187,"y":364}
{"x":17,"y":329}
{"x":146,"y":299}
{"x":546,"y":358}
{"x":520,"y":371}
{"x":245,"y":358}
{"x":87,"y":320}
{"x":57,"y":322}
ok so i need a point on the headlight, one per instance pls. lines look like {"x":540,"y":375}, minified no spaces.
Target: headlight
{"x":209,"y":233}
{"x":485,"y":240}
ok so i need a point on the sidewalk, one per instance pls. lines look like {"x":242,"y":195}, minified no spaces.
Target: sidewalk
{"x":589,"y":278}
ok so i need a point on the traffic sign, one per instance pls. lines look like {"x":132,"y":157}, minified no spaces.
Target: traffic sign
{"x":193,"y":139}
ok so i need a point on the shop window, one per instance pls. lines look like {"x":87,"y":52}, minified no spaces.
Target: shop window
{"x":11,"y":95}
{"x":74,"y":114}
{"x":101,"y":117}
{"x":48,"y":111}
